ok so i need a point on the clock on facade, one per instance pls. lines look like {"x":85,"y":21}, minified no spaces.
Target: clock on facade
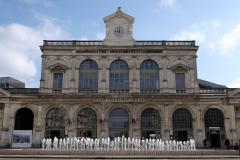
{"x":119,"y":31}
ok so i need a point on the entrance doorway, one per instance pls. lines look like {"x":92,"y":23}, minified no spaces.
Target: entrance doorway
{"x":24,"y":119}
{"x":55,"y":123}
{"x":87,"y":133}
{"x":54,"y":134}
{"x":214,"y":135}
{"x":118,"y":123}
{"x":150,"y":134}
{"x":214,"y":127}
{"x":150,"y":123}
{"x":87,"y":123}
{"x":182,"y":124}
{"x":181,"y":135}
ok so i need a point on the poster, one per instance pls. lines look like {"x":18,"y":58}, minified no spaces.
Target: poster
{"x":22,"y":138}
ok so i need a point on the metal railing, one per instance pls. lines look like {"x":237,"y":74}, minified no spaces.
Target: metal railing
{"x":99,"y":43}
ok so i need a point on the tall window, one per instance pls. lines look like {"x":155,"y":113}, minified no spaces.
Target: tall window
{"x":182,"y":124}
{"x":55,"y":123}
{"x":57,"y":81}
{"x":118,"y":123}
{"x":180,"y":82}
{"x":88,"y":76}
{"x":87,"y":123}
{"x":149,"y":75}
{"x":150,"y":123}
{"x":119,"y":76}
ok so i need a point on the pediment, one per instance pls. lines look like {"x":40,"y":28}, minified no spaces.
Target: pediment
{"x":179,"y":65}
{"x":58,"y":66}
{"x":4,"y":93}
{"x":119,"y":14}
{"x":235,"y":92}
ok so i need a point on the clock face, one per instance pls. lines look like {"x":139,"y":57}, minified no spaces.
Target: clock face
{"x":119,"y":31}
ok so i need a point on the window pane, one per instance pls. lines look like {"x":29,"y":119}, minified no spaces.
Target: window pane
{"x":87,"y":119}
{"x":149,"y":75}
{"x":57,"y":80}
{"x":55,"y":119}
{"x":180,"y":81}
{"x":119,"y":75}
{"x":88,"y":75}
{"x":214,"y":118}
{"x":182,"y":119}
{"x":150,"y":119}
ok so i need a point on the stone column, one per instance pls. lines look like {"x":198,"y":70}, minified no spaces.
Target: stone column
{"x":107,"y":81}
{"x":166,"y":123}
{"x":76,"y":79}
{"x":199,"y":127}
{"x":5,"y":137}
{"x":39,"y":127}
{"x":232,"y":121}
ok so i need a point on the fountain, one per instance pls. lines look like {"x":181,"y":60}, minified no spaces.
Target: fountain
{"x":117,"y":144}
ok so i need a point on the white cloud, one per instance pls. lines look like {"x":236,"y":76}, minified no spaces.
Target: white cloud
{"x":19,"y":48}
{"x":190,"y":35}
{"x":235,"y":83}
{"x":168,"y":3}
{"x":100,"y":36}
{"x":211,"y":35}
{"x":230,"y":39}
{"x":83,"y":38}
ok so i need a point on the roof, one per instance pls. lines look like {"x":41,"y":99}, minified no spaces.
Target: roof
{"x":207,"y":84}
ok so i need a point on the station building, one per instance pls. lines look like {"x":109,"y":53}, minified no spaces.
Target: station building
{"x":121,"y":86}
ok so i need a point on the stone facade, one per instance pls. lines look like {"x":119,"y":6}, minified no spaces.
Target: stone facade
{"x":171,"y":57}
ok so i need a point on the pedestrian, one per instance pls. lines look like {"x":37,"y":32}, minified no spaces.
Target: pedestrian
{"x":236,"y":146}
{"x":205,"y":142}
{"x":227,"y":143}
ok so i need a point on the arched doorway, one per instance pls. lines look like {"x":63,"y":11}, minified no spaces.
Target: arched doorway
{"x":55,"y":123}
{"x":150,"y":123}
{"x":214,"y":127}
{"x":118,"y":123}
{"x":182,"y":125}
{"x":87,"y":123}
{"x":24,"y":119}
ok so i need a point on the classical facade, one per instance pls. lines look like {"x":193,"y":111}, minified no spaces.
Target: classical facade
{"x":121,"y":86}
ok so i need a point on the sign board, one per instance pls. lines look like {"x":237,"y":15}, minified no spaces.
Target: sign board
{"x":214,"y":130}
{"x":22,"y":138}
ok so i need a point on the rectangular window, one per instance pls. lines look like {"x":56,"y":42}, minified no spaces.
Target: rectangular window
{"x":57,"y":82}
{"x":180,"y":82}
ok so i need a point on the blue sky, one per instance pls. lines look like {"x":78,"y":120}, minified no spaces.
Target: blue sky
{"x":214,"y":24}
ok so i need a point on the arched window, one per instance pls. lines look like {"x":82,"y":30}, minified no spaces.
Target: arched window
{"x":149,"y":76}
{"x":87,"y":123}
{"x":214,"y":126}
{"x":150,"y":123}
{"x":118,"y":123}
{"x":55,"y":123}
{"x":182,"y":124}
{"x":88,"y":76}
{"x":119,"y":76}
{"x":24,"y":119}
